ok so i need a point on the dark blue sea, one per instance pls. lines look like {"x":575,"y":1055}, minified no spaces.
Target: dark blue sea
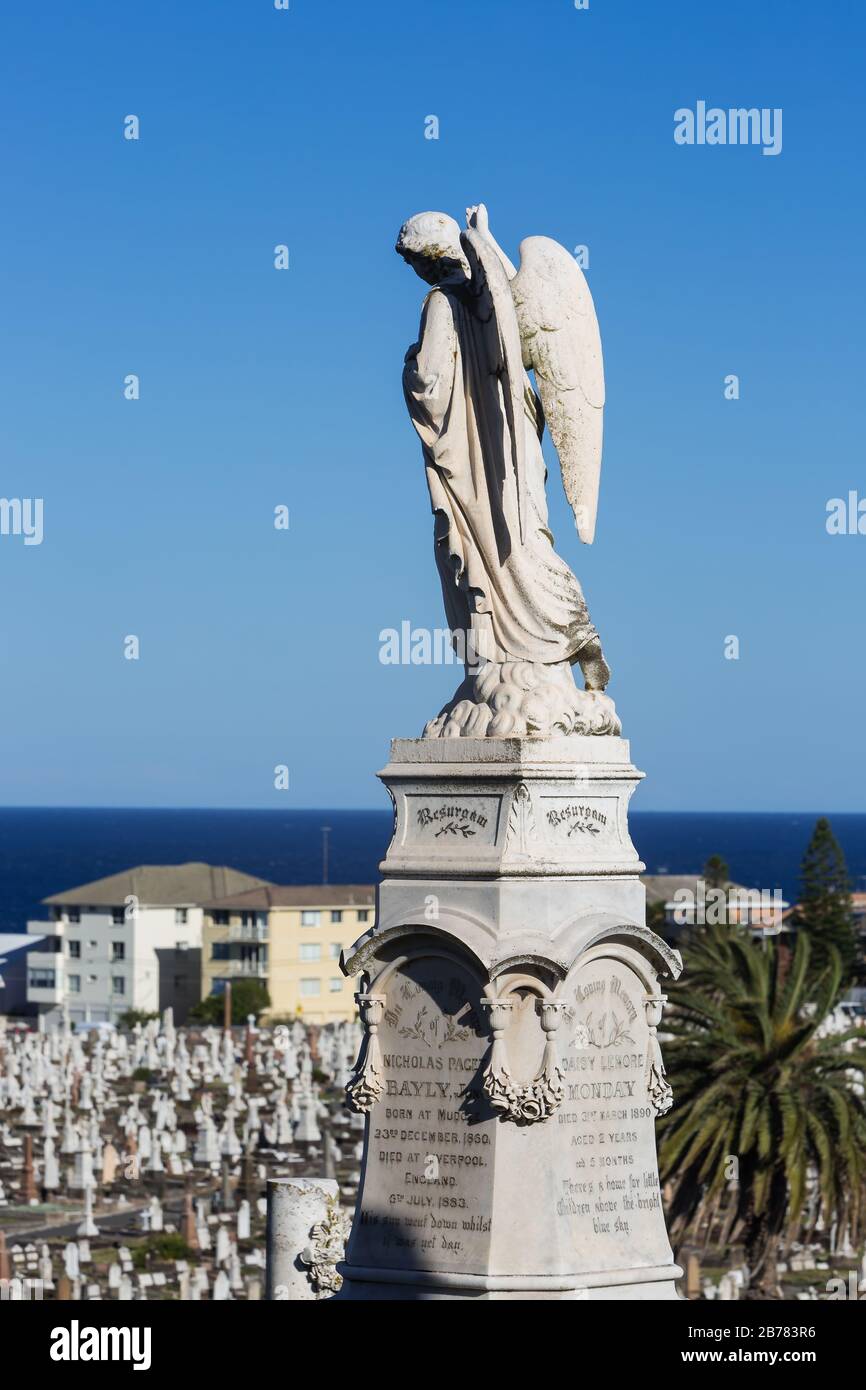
{"x":44,"y":851}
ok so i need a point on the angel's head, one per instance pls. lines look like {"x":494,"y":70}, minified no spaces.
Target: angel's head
{"x":430,"y":243}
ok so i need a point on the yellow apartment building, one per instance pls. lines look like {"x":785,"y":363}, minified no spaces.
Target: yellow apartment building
{"x":290,"y":938}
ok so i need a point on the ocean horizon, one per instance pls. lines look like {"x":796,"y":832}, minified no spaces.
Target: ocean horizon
{"x":45,"y":850}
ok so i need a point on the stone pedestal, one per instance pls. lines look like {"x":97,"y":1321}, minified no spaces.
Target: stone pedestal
{"x":304,"y":1238}
{"x":511,"y":1072}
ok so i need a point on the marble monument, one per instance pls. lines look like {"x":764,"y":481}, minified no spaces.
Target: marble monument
{"x":510,"y":990}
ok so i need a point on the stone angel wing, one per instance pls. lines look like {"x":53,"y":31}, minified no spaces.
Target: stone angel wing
{"x":494,"y":309}
{"x":560,"y":340}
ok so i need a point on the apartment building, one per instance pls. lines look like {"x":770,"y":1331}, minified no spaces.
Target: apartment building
{"x":129,"y":941}
{"x":290,"y":938}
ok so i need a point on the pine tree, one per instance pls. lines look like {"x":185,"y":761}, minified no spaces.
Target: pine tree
{"x":715,"y":872}
{"x":824,"y":910}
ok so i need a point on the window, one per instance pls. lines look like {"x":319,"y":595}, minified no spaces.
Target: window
{"x":335,"y":985}
{"x":75,"y":914}
{"x":74,"y":984}
{"x":74,"y":948}
{"x":118,"y":916}
{"x":118,"y":950}
{"x":41,"y":979}
{"x":336,"y":948}
{"x":311,"y":950}
{"x":363,"y":914}
{"x":309,"y":987}
{"x":180,"y":916}
{"x":310,"y":919}
{"x":118,"y":984}
{"x":220,"y":919}
{"x":336,"y":916}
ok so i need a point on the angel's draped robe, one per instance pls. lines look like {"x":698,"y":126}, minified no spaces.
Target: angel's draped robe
{"x":510,"y":599}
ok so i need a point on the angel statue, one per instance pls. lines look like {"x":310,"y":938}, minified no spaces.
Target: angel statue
{"x":511,"y":602}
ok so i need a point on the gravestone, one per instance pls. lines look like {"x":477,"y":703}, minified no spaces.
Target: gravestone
{"x":511,"y":1072}
{"x":110,"y":1163}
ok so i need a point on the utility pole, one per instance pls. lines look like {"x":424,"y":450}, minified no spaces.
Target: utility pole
{"x":326,"y":830}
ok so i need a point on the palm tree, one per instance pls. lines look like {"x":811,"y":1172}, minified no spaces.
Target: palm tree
{"x":755,"y":1081}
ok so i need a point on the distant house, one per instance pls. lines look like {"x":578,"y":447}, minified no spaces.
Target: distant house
{"x":685,"y":900}
{"x":129,"y":941}
{"x":291,"y":939}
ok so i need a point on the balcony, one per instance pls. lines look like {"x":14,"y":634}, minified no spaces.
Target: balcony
{"x":239,"y":932}
{"x":240,"y":969}
{"x":46,"y":980}
{"x":47,"y":928}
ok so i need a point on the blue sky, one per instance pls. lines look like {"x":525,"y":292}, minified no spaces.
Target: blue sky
{"x":261,"y":387}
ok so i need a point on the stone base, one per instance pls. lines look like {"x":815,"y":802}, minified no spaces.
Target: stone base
{"x":386,"y":1286}
{"x":511,"y":1072}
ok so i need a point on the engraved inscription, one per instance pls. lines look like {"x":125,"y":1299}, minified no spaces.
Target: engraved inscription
{"x":608,"y":1181}
{"x":446,"y":819}
{"x":427,"y":1187}
{"x":577,"y":820}
{"x":452,"y":820}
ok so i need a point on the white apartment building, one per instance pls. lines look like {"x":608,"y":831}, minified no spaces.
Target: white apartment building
{"x":129,"y":941}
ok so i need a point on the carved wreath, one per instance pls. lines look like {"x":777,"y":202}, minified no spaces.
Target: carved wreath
{"x":534,"y":1100}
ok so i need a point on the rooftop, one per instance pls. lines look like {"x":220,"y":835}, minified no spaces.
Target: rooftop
{"x":660,"y":888}
{"x":297,"y":895}
{"x":159,"y":885}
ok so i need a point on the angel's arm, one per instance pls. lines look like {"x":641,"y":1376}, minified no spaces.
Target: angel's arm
{"x":477,"y":217}
{"x":429,"y":371}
